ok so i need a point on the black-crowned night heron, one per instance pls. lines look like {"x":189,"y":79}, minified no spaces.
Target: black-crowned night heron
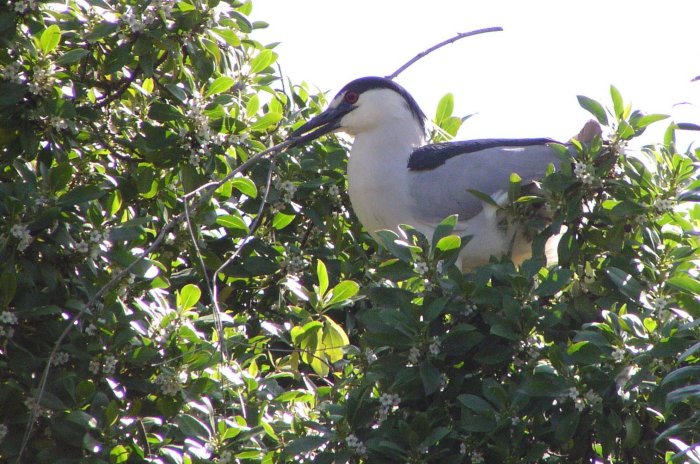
{"x":394,"y":178}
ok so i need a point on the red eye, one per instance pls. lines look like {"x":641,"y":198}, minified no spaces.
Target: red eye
{"x":351,"y":97}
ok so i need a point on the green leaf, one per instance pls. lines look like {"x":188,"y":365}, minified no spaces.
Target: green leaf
{"x":322,"y":275}
{"x":253,"y":105}
{"x":221,"y":84}
{"x":430,"y":376}
{"x":334,"y":340}
{"x":475,"y":403}
{"x":281,"y":220}
{"x":444,"y":109}
{"x":685,"y":282}
{"x":119,"y":454}
{"x":265,"y":122}
{"x":8,"y":288}
{"x":188,"y":297}
{"x":72,"y":56}
{"x":303,"y":445}
{"x":444,"y":229}
{"x":618,"y":104}
{"x":451,"y":242}
{"x":245,"y":186}
{"x":628,"y":285}
{"x":593,"y":107}
{"x":342,"y":292}
{"x":648,"y":119}
{"x":264,"y":59}
{"x":50,"y":38}
{"x":81,"y":194}
{"x":232,"y":221}
{"x":484,"y":197}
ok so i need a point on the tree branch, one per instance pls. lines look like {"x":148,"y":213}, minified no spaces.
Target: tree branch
{"x":459,"y":36}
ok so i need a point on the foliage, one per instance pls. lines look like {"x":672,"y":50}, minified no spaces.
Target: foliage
{"x":163,"y":302}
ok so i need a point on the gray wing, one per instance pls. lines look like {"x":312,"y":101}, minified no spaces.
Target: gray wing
{"x":441,"y":174}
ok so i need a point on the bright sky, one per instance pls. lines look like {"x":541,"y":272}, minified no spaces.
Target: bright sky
{"x":521,"y":82}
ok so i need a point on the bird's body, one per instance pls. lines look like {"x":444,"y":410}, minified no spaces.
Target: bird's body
{"x":394,"y":178}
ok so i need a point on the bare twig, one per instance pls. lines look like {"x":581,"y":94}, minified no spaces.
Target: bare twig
{"x":461,"y":35}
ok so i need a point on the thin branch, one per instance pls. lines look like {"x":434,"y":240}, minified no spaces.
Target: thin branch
{"x":459,"y":36}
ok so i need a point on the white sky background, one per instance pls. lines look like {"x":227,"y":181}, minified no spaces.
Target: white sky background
{"x":521,"y":82}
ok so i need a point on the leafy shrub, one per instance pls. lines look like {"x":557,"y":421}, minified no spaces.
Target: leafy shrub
{"x":166,"y":299}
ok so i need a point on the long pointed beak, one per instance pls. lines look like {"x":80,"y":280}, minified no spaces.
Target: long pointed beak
{"x":326,"y":122}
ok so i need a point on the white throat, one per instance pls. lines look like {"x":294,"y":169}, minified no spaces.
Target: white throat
{"x":378,"y":173}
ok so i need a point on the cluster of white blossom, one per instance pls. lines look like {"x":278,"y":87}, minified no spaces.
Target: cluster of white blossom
{"x":9,"y":319}
{"x":434,"y":347}
{"x":3,"y":432}
{"x":226,"y":457}
{"x":108,"y":367}
{"x":584,"y":172}
{"x":60,"y":358}
{"x":43,"y":78}
{"x":169,"y":383}
{"x":618,"y":354}
{"x":590,"y":398}
{"x":94,"y":245}
{"x":476,"y":457}
{"x":387,"y":403}
{"x":414,"y":355}
{"x":58,"y":123}
{"x":13,"y":72}
{"x":21,"y":232}
{"x":468,"y":309}
{"x":660,"y":302}
{"x":663,"y":205}
{"x":22,"y":6}
{"x":288,"y":189}
{"x":295,"y":264}
{"x":356,"y":445}
{"x":421,"y":267}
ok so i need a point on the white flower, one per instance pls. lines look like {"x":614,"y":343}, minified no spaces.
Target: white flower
{"x":96,"y":236}
{"x":421,"y":267}
{"x":110,"y":365}
{"x":60,"y":358}
{"x":440,"y":266}
{"x":434,"y":347}
{"x":8,"y":317}
{"x":226,"y":457}
{"x":468,"y":309}
{"x":579,"y":404}
{"x":476,"y":457}
{"x":584,"y":172}
{"x":660,"y":302}
{"x":19,"y":231}
{"x":333,"y":190}
{"x":58,"y":123}
{"x":169,"y":383}
{"x":356,"y":445}
{"x":370,"y":356}
{"x":42,"y":78}
{"x":23,"y":5}
{"x":663,"y":204}
{"x":13,"y":72}
{"x":94,"y":366}
{"x":592,"y":398}
{"x":414,"y":355}
{"x":619,"y":354}
{"x":3,"y":431}
{"x":82,"y":247}
{"x":6,"y":332}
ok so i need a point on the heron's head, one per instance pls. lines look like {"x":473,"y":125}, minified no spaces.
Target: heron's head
{"x":363,"y":105}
